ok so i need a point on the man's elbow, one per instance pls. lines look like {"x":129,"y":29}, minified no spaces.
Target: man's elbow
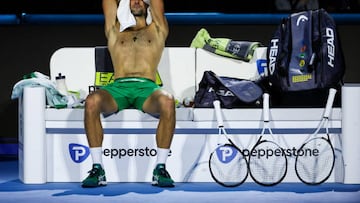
{"x":106,"y":31}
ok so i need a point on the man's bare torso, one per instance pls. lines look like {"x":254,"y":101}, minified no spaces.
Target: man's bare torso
{"x":136,"y":53}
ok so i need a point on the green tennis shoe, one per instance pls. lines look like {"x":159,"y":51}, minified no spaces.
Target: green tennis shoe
{"x":161,"y":177}
{"x":95,"y":178}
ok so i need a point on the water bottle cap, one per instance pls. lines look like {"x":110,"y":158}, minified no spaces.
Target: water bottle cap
{"x":60,"y":77}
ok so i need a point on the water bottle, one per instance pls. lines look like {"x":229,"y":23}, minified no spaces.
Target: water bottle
{"x":61,"y":84}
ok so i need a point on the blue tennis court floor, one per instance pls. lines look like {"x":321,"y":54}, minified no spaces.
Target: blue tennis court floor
{"x":13,"y":190}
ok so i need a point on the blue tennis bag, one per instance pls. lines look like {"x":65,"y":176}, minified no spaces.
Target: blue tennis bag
{"x":305,"y":53}
{"x":231,"y":92}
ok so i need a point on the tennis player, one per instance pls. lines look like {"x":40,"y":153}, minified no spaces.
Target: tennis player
{"x":135,"y":54}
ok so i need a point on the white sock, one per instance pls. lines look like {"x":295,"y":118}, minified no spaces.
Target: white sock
{"x":96,"y":154}
{"x":162,"y":155}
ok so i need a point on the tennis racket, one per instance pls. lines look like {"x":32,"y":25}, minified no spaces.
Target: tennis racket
{"x":267,"y":161}
{"x":315,"y":159}
{"x":227,"y":163}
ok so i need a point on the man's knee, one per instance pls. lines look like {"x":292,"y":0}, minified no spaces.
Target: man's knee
{"x":92,"y":102}
{"x":167,"y":103}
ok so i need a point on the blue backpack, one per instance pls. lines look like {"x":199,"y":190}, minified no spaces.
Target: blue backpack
{"x":305,"y":53}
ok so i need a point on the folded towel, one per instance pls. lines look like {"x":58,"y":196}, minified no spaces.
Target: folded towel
{"x":126,"y":18}
{"x":242,"y":50}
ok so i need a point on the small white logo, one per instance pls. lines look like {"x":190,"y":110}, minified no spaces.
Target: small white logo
{"x":78,"y":152}
{"x":226,"y":152}
{"x":301,"y":18}
{"x":273,"y":53}
{"x":330,"y":46}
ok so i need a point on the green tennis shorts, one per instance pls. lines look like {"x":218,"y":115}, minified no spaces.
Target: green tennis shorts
{"x":131,"y":92}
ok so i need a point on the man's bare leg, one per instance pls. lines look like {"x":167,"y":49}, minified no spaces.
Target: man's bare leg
{"x":166,"y":124}
{"x":96,"y":103}
{"x":163,"y":103}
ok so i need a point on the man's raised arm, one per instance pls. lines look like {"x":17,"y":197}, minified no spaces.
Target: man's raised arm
{"x":158,"y":14}
{"x":109,"y":9}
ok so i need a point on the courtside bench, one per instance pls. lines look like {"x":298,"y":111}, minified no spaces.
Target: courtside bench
{"x":53,"y":145}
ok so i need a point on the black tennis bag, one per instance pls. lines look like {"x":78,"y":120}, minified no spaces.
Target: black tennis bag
{"x":305,"y":53}
{"x":232,"y":92}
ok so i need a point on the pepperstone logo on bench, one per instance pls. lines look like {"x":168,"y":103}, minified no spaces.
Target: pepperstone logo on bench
{"x":131,"y":152}
{"x":78,"y":152}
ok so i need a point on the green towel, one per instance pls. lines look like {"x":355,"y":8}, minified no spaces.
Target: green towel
{"x":242,"y":50}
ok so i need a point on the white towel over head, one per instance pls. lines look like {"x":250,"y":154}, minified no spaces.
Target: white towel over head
{"x":126,"y":18}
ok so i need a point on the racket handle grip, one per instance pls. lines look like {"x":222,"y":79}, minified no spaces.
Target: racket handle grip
{"x":217,"y":108}
{"x":329,"y":102}
{"x":266,"y":107}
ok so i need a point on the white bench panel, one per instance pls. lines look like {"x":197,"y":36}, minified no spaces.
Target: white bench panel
{"x":78,"y":66}
{"x":224,"y":66}
{"x":177,"y":71}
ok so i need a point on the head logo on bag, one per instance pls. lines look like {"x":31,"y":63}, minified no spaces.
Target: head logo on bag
{"x":300,"y":19}
{"x":330,"y":46}
{"x":305,"y":53}
{"x":272,"y":54}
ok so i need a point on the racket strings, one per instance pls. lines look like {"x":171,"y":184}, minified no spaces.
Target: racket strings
{"x":315,"y":161}
{"x":313,"y":174}
{"x":227,"y":164}
{"x":268,"y":163}
{"x":228,"y":172}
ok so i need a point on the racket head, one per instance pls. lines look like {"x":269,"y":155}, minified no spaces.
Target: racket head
{"x":228,"y":165}
{"x":267,"y":163}
{"x":267,"y":160}
{"x":315,"y":161}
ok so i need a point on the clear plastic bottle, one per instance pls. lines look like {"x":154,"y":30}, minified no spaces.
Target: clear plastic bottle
{"x":61,"y":84}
